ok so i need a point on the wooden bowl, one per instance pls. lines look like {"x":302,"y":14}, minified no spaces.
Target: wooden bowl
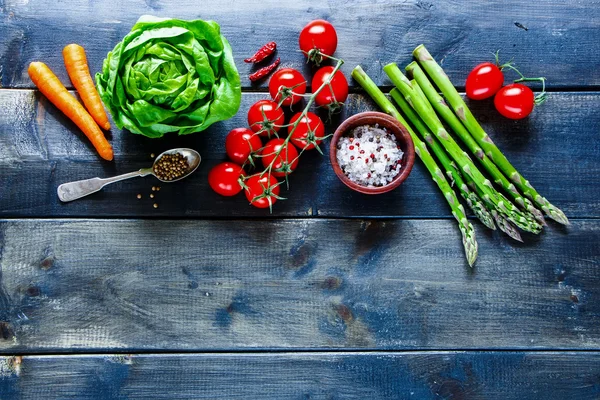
{"x":393,"y":126}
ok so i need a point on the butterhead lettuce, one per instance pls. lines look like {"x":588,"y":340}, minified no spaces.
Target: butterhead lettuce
{"x":170,"y":75}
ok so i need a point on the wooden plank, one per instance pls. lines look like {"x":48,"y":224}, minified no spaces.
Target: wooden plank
{"x":379,"y":375}
{"x":305,"y":283}
{"x":560,"y":41}
{"x":557,"y":149}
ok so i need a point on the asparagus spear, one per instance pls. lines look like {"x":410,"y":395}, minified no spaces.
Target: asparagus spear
{"x":458,"y":211}
{"x":452,"y":173}
{"x":438,"y":103}
{"x":467,"y":187}
{"x":501,"y":204}
{"x":504,"y":224}
{"x":462,"y":111}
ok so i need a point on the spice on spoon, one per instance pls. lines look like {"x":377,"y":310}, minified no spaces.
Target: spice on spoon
{"x":170,"y":167}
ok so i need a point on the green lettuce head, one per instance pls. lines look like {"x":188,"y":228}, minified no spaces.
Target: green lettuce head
{"x":169,"y":75}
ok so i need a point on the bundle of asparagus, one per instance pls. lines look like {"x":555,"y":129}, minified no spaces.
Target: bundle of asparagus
{"x":421,"y":104}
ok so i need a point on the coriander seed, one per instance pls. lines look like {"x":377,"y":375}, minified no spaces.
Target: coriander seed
{"x":170,"y":167}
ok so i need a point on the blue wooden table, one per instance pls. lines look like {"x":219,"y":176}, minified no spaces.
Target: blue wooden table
{"x":336,"y":295}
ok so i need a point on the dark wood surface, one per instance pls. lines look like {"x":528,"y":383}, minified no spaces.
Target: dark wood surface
{"x":335,"y":376}
{"x":335,"y":295}
{"x":79,"y":285}
{"x":559,"y":43}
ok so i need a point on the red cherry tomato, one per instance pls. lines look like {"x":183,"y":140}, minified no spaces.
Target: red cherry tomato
{"x":309,"y":132}
{"x":272,"y":120}
{"x":285,"y":162}
{"x":318,"y":34}
{"x":223,"y":178}
{"x":514,"y":101}
{"x":291,"y":82}
{"x":484,"y":81}
{"x":260,"y":191}
{"x":240,"y":144}
{"x":338,"y":83}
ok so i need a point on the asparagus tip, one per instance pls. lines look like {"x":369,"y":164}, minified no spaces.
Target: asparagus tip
{"x":470,"y":244}
{"x":557,"y":215}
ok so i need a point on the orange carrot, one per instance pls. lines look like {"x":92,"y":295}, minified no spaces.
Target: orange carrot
{"x":55,"y":91}
{"x":77,"y":68}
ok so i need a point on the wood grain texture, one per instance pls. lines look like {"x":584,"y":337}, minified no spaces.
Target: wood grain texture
{"x":561,"y":40}
{"x":333,"y":376}
{"x":77,"y":285}
{"x":556,"y":149}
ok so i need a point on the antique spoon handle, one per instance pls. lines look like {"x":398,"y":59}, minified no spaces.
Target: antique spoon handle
{"x":75,"y":190}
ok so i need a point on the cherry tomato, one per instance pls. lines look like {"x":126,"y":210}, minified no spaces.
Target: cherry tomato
{"x":309,"y":132}
{"x":318,"y":34}
{"x":223,"y":178}
{"x":291,"y":82}
{"x":338,"y":83}
{"x":272,"y":120}
{"x":285,"y":162}
{"x":262,"y":192}
{"x":514,"y":101}
{"x":484,"y":81}
{"x":240,"y":144}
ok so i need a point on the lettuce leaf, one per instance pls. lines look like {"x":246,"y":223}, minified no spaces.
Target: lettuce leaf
{"x":170,"y":75}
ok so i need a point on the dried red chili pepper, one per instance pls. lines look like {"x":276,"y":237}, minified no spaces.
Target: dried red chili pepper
{"x":262,"y":53}
{"x":261,"y":73}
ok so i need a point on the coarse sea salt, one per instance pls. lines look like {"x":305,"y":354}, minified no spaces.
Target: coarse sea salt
{"x":369,"y":156}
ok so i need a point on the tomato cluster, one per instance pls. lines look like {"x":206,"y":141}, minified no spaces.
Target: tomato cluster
{"x":305,"y":130}
{"x":279,"y":157}
{"x":514,"y":101}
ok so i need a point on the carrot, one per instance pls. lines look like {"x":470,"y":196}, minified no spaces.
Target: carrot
{"x":77,"y":68}
{"x":58,"y":95}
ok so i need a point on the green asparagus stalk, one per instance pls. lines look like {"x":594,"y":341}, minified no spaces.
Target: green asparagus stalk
{"x":467,"y":187}
{"x":452,"y":173}
{"x":438,"y":103}
{"x":501,"y":204}
{"x":505,"y":225}
{"x":458,"y":211}
{"x":440,"y":78}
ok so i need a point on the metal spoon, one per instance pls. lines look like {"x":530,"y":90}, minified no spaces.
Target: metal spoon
{"x":78,"y":189}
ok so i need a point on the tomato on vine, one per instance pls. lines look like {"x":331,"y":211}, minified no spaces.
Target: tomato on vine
{"x":284,"y":157}
{"x":287,"y":86}
{"x":225,"y":178}
{"x":241,"y":144}
{"x":265,"y":117}
{"x":262,"y":191}
{"x":515,"y":101}
{"x":309,"y":132}
{"x":338,"y":83}
{"x":484,"y":81}
{"x":318,"y":38}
